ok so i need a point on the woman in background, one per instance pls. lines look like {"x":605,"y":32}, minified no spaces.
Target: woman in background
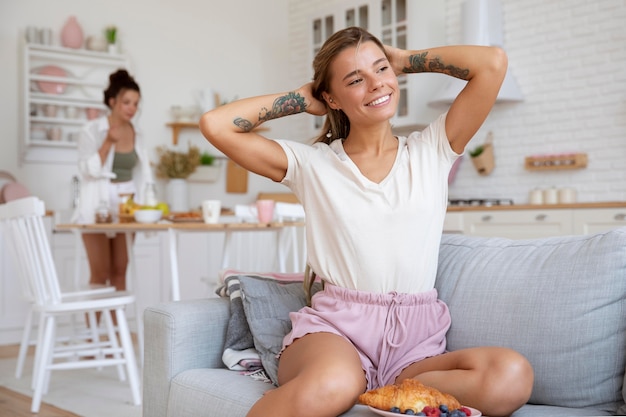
{"x":112,"y":161}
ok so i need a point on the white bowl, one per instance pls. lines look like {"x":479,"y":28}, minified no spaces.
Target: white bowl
{"x":148,"y":215}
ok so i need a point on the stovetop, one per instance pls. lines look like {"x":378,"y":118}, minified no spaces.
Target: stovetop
{"x":480,"y":202}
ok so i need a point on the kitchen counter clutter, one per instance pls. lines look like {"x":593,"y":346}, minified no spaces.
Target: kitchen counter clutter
{"x":606,"y":204}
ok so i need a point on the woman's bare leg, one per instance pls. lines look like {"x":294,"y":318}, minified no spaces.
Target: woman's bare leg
{"x":320,"y":375}
{"x":98,"y":251}
{"x":119,"y":262}
{"x":496,"y":381}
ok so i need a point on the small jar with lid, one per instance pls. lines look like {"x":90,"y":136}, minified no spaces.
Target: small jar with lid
{"x":103,"y":213}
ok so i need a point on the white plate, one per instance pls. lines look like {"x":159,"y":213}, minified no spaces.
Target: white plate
{"x":475,"y":412}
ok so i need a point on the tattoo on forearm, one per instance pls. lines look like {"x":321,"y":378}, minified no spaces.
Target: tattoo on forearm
{"x":419,"y":63}
{"x":291,"y":103}
{"x":243,"y":124}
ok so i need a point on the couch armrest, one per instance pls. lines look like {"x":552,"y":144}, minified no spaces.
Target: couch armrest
{"x":180,"y":336}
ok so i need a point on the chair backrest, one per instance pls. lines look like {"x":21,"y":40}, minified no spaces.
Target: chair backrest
{"x":25,"y":234}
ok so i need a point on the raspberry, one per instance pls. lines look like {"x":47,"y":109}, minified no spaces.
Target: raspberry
{"x":466,"y":410}
{"x":431,"y":411}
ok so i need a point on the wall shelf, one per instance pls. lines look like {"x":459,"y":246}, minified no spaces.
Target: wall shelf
{"x":556,"y":162}
{"x":178,"y":126}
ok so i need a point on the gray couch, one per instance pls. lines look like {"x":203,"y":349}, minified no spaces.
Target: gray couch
{"x":560,"y":301}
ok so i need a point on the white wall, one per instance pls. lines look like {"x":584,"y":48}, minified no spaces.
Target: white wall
{"x":175,"y":48}
{"x":568,"y":57}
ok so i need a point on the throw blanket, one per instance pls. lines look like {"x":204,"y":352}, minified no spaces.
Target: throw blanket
{"x":239,"y":352}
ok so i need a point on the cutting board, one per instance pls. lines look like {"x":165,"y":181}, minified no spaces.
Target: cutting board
{"x":236,"y":178}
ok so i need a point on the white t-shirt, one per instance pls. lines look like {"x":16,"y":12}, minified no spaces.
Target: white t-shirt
{"x":374,"y":237}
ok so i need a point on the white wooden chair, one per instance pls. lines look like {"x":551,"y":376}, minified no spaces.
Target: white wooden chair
{"x":22,"y":222}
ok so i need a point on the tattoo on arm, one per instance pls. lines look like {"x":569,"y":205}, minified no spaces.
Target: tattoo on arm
{"x":419,"y":63}
{"x":290,"y":103}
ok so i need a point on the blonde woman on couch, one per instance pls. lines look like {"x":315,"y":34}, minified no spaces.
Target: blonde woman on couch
{"x":375,"y":205}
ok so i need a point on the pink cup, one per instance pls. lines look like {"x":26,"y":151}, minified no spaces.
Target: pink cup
{"x":265,"y":210}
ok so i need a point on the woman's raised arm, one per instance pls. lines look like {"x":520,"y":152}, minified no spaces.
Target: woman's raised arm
{"x":484,"y":68}
{"x":230,"y":128}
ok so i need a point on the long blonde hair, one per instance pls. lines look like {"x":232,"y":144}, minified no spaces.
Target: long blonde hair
{"x":336,"y":123}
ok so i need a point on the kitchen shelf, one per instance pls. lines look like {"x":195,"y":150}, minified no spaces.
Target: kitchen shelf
{"x":65,"y":109}
{"x":178,"y":126}
{"x":556,"y":162}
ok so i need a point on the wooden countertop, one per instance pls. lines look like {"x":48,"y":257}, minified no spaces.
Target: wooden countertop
{"x":607,"y":204}
{"x":182,"y":226}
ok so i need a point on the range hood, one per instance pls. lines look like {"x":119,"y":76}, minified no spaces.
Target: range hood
{"x":482,"y":25}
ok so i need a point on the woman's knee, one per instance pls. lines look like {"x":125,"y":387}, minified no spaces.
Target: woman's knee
{"x":510,"y":379}
{"x":340,"y":391}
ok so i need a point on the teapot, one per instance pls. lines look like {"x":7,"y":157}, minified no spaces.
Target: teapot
{"x":206,"y":99}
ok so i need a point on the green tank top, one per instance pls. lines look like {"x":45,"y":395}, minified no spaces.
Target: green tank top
{"x":123,"y":164}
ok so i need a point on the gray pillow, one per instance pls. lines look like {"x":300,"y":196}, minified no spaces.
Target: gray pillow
{"x":267,"y":304}
{"x":559,"y":301}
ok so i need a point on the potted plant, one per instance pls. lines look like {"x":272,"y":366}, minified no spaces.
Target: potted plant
{"x":177,"y":166}
{"x":207,"y":171}
{"x":482,"y":156}
{"x":110,"y":32}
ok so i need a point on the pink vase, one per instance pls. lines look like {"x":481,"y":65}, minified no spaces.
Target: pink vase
{"x":72,"y":34}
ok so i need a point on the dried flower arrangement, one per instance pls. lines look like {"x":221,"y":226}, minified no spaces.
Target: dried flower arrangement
{"x":174,"y":164}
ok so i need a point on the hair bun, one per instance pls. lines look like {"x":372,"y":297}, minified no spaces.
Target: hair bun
{"x":120,"y":76}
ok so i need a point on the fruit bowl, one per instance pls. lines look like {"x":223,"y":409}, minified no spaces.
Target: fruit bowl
{"x":147,"y":215}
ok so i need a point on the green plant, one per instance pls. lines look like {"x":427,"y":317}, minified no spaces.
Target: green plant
{"x":206,"y":158}
{"x":477,"y":151}
{"x":174,"y":164}
{"x":111,"y":34}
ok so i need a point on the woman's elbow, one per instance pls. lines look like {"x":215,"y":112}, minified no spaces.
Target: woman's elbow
{"x":500,"y":61}
{"x":208,"y":126}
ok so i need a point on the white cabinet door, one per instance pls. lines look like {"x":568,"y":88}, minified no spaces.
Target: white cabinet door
{"x":518,"y":224}
{"x":589,"y":221}
{"x":413,"y":24}
{"x":406,"y":24}
{"x":453,"y":222}
{"x":13,"y":307}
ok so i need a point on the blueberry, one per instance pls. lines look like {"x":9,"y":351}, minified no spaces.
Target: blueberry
{"x":409,"y":412}
{"x":395,"y":410}
{"x":443,"y":408}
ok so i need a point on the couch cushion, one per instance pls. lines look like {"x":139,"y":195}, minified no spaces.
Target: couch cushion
{"x":559,"y":301}
{"x":239,"y":352}
{"x":267,"y":303}
{"x":222,"y":393}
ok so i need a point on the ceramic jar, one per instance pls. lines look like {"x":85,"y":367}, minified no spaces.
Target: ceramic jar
{"x":72,"y":34}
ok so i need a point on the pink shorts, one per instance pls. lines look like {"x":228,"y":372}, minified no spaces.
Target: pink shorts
{"x":389,"y":331}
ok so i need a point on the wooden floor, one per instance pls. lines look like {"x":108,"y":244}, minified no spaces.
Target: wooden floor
{"x":15,"y":404}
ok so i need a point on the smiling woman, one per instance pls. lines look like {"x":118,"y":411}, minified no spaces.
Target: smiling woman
{"x":373,"y":201}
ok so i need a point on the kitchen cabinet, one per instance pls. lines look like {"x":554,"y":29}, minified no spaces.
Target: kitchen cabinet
{"x":518,"y":224}
{"x":406,"y":24}
{"x":526,"y":222}
{"x":61,"y":89}
{"x":589,"y":221}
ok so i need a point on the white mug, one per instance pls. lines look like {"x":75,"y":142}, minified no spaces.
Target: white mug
{"x":211,"y":210}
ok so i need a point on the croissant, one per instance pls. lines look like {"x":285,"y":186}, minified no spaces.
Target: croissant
{"x":409,"y":395}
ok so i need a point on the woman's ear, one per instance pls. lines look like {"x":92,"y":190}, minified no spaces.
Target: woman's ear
{"x":329,"y":100}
